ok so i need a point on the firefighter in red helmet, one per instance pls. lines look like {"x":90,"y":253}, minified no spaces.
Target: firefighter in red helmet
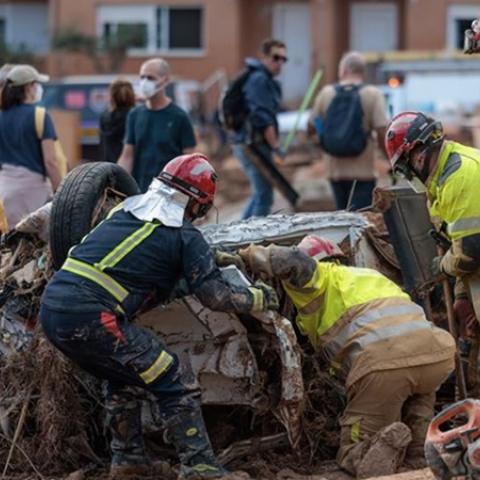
{"x":450,"y":172}
{"x":375,"y":339}
{"x":139,"y":253}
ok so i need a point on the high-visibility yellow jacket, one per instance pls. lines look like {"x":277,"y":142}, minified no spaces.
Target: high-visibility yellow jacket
{"x":454,"y":188}
{"x":364,"y":322}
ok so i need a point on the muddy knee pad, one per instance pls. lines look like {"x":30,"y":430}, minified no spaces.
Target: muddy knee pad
{"x":353,"y":446}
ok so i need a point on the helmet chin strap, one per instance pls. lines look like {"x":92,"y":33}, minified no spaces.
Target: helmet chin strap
{"x":428,"y":151}
{"x":194,"y":214}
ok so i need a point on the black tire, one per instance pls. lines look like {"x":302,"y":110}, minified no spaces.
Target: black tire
{"x":436,"y":464}
{"x":75,"y":201}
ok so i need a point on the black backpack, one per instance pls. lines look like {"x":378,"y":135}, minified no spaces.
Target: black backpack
{"x":233,"y":109}
{"x":343,"y":134}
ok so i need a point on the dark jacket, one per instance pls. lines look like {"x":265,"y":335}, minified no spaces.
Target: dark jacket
{"x":148,"y":270}
{"x":112,"y":131}
{"x":262,"y":95}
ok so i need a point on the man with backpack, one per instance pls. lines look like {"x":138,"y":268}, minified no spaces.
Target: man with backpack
{"x":345,"y":115}
{"x":249,"y":108}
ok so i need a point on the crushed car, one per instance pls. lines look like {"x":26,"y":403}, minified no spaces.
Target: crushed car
{"x":256,"y":365}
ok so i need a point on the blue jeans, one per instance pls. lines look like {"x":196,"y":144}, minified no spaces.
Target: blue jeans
{"x":362,"y":194}
{"x":261,"y":198}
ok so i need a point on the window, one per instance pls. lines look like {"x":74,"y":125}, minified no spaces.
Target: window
{"x":459,"y":19}
{"x":132,"y":35}
{"x":461,"y":24}
{"x":149,"y":28}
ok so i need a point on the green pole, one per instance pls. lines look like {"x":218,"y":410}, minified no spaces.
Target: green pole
{"x":305,"y":103}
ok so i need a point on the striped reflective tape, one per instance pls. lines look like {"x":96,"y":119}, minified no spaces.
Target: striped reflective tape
{"x":355,"y":432}
{"x":161,"y":364}
{"x":371,"y":316}
{"x":464,"y":224}
{"x":313,"y":306}
{"x":257,"y":294}
{"x":91,"y":273}
{"x":126,"y":246}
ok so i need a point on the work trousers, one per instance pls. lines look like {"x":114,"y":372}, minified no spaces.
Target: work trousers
{"x":112,"y":348}
{"x":382,"y":397}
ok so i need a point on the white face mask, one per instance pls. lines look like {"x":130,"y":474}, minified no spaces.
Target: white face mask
{"x":148,"y":87}
{"x":38,"y":93}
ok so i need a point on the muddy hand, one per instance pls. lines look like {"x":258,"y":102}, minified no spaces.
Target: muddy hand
{"x":223,"y":259}
{"x":257,"y":259}
{"x":270,"y":297}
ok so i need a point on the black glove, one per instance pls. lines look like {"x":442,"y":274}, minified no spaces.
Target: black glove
{"x":270,"y":297}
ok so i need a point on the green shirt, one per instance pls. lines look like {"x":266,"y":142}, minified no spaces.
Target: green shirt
{"x":157,"y":136}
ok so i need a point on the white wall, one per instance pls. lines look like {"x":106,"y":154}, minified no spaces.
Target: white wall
{"x":26,"y":24}
{"x":438,"y":91}
{"x":373,"y":26}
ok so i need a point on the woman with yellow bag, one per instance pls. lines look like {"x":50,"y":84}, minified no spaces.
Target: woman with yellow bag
{"x":29,"y":164}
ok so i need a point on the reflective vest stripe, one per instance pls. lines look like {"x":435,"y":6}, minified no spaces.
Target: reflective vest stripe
{"x":126,"y":246}
{"x":313,"y":306}
{"x":454,"y":162}
{"x":257,"y":299}
{"x":464,"y":224}
{"x":116,"y":208}
{"x":110,"y":213}
{"x":339,"y":341}
{"x":390,"y":331}
{"x":161,"y":364}
{"x":95,"y":275}
{"x":203,"y":467}
{"x":355,"y":432}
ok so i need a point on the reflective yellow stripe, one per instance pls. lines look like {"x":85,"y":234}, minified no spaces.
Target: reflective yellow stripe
{"x":89,"y":271}
{"x":116,"y":208}
{"x":203,"y":467}
{"x":334,"y":368}
{"x":163,"y":361}
{"x":464,"y":224}
{"x":257,"y":305}
{"x":126,"y":246}
{"x":355,"y":432}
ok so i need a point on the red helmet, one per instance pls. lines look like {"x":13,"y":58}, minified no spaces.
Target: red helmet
{"x":193,"y":175}
{"x":319,"y":248}
{"x":407,"y":130}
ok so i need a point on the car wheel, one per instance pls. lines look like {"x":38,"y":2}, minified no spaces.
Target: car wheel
{"x":82,"y":201}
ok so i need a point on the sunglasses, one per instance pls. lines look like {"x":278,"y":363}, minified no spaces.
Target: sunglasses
{"x":279,"y":58}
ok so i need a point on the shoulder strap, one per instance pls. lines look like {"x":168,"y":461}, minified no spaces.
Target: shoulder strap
{"x":39,"y":121}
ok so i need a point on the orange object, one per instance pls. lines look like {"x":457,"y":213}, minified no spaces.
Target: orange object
{"x":454,"y":451}
{"x":3,"y":219}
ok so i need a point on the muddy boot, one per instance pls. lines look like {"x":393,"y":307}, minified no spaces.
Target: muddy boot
{"x":128,"y":450}
{"x":187,"y":432}
{"x":386,"y":452}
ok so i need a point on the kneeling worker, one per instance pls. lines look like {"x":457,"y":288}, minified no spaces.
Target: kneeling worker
{"x":376,"y":339}
{"x":131,"y":260}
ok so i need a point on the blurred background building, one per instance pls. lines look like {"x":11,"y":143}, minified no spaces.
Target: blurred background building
{"x":413,"y":46}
